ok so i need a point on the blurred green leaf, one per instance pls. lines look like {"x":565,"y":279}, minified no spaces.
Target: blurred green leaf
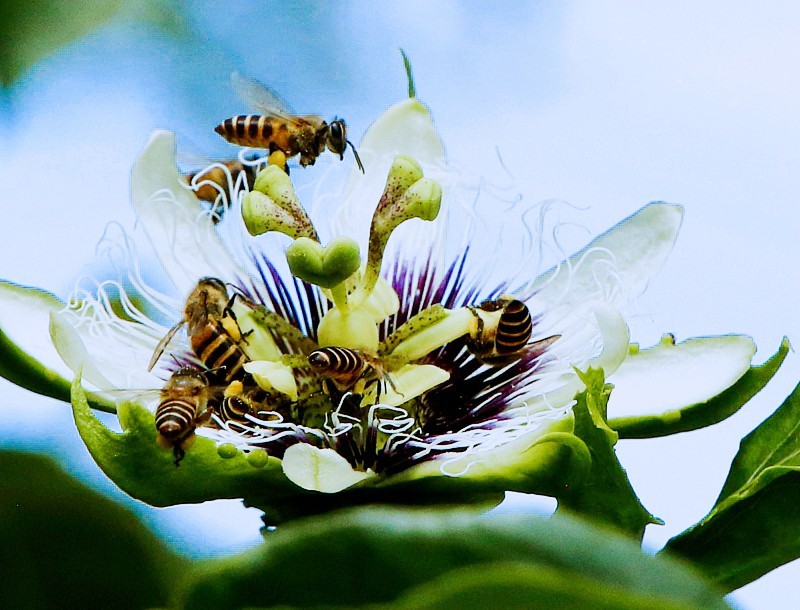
{"x":526,"y":586}
{"x":706,"y":413}
{"x":606,"y":495}
{"x":754,"y":527}
{"x":444,"y":559}
{"x":67,"y":546}
{"x":29,"y":31}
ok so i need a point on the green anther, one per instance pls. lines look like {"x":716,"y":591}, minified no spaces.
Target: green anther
{"x":456,"y":324}
{"x":324,"y":266}
{"x":415,"y":324}
{"x":258,"y":458}
{"x":421,"y":200}
{"x":281,"y":329}
{"x":227,"y":451}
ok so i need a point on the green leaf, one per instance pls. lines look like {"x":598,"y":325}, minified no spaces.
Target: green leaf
{"x":67,"y":546}
{"x":708,"y":412}
{"x":754,"y":527}
{"x":444,"y":559}
{"x":544,"y":463}
{"x":606,"y":495}
{"x":29,"y":31}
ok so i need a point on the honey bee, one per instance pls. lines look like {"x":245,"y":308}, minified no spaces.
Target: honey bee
{"x":213,"y":332}
{"x":186,"y":402}
{"x":502,"y":330}
{"x":212,"y":181}
{"x":277,"y":128}
{"x":345,"y":368}
{"x":239,"y":401}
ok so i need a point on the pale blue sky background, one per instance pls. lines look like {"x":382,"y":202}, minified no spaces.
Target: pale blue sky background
{"x":603,"y":105}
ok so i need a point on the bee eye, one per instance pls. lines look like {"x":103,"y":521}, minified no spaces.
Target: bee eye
{"x":336,"y":138}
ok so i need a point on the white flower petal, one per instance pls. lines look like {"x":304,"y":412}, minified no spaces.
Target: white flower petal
{"x":593,"y":324}
{"x":111,"y":354}
{"x":617,"y":265}
{"x":25,"y":319}
{"x":70,"y":347}
{"x":667,"y":377}
{"x":319,"y":469}
{"x":182,"y":236}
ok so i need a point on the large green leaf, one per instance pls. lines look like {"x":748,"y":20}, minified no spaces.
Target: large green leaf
{"x":708,"y":412}
{"x":445,"y":559}
{"x":66,"y":546}
{"x":754,"y":527}
{"x":607,"y":494}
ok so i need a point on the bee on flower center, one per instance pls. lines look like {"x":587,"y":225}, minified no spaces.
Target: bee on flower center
{"x":213,"y":332}
{"x":349,"y":369}
{"x":501,"y":331}
{"x":277,"y":128}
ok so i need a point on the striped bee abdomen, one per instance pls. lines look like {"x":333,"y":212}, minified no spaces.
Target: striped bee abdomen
{"x":247,"y":130}
{"x":175,"y":417}
{"x":340,"y":364}
{"x":234,"y":408}
{"x":514,"y":329}
{"x":219,"y":352}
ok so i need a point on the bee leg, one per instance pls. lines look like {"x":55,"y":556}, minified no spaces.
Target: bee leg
{"x":179,"y":453}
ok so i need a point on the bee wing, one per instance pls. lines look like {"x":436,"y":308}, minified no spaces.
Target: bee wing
{"x":261,"y":98}
{"x":148,"y":395}
{"x":162,"y":345}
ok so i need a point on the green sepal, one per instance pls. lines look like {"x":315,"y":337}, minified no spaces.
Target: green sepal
{"x":707,"y":413}
{"x":372,"y":558}
{"x":68,"y":546}
{"x":607,"y":494}
{"x":754,"y":526}
{"x":141,"y":468}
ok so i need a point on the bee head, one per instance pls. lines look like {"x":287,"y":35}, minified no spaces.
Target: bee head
{"x":337,"y":141}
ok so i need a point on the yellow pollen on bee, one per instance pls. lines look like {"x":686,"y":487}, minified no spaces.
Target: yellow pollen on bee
{"x":235,"y":388}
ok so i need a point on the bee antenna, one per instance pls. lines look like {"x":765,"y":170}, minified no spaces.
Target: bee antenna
{"x":355,"y":154}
